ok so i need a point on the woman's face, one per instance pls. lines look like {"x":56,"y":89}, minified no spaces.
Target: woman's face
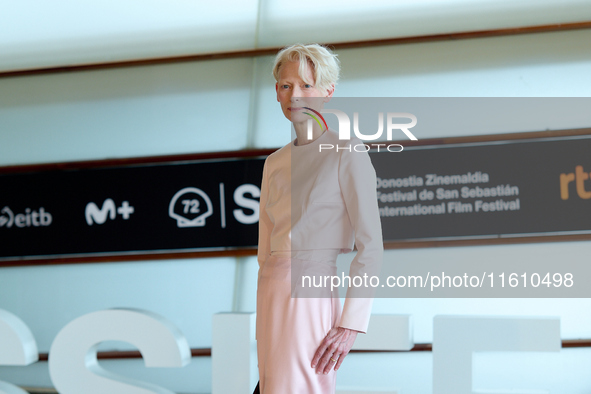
{"x":293,"y":93}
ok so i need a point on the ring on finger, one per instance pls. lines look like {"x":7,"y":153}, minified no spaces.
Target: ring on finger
{"x":333,"y":360}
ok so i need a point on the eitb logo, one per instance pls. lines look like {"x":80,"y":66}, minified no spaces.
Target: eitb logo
{"x":29,"y":218}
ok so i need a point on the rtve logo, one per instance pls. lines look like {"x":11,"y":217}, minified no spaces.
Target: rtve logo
{"x":99,"y":216}
{"x":579,"y":177}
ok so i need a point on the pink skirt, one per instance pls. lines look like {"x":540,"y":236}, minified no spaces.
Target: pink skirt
{"x":290,"y":329}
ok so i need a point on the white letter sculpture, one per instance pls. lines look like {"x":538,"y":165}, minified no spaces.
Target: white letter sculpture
{"x":455,"y":338}
{"x":17,"y":347}
{"x":73,"y":364}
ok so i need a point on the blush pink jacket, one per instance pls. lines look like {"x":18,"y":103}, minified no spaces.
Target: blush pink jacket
{"x":317,"y":197}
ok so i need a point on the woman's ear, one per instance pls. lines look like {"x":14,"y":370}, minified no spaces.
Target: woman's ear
{"x":329,"y":93}
{"x":277,"y":90}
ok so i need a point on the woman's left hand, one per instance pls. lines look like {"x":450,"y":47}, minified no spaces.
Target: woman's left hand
{"x":333,"y":349}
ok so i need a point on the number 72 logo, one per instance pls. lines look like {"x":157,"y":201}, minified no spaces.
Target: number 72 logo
{"x":185,"y":207}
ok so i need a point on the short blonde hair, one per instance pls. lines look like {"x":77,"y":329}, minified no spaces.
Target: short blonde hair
{"x":325,"y":64}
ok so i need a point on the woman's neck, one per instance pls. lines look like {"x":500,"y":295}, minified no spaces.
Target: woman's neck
{"x":302,"y":132}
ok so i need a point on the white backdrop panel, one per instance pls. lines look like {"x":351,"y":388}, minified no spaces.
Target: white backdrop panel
{"x":283,"y":22}
{"x":575,"y":321}
{"x":36,"y":34}
{"x":47,"y":298}
{"x":126,"y":112}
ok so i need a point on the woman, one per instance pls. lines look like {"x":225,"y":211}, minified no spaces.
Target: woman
{"x":314,"y":205}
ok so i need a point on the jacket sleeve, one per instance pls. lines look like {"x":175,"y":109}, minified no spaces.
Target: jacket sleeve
{"x":265,"y":224}
{"x":357,"y":179}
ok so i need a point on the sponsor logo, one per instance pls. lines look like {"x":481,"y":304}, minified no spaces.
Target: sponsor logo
{"x":108,"y":211}
{"x":30,"y":218}
{"x":578,"y":178}
{"x":190,"y":207}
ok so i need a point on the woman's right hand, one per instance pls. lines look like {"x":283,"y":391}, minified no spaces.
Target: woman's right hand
{"x":333,"y":349}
